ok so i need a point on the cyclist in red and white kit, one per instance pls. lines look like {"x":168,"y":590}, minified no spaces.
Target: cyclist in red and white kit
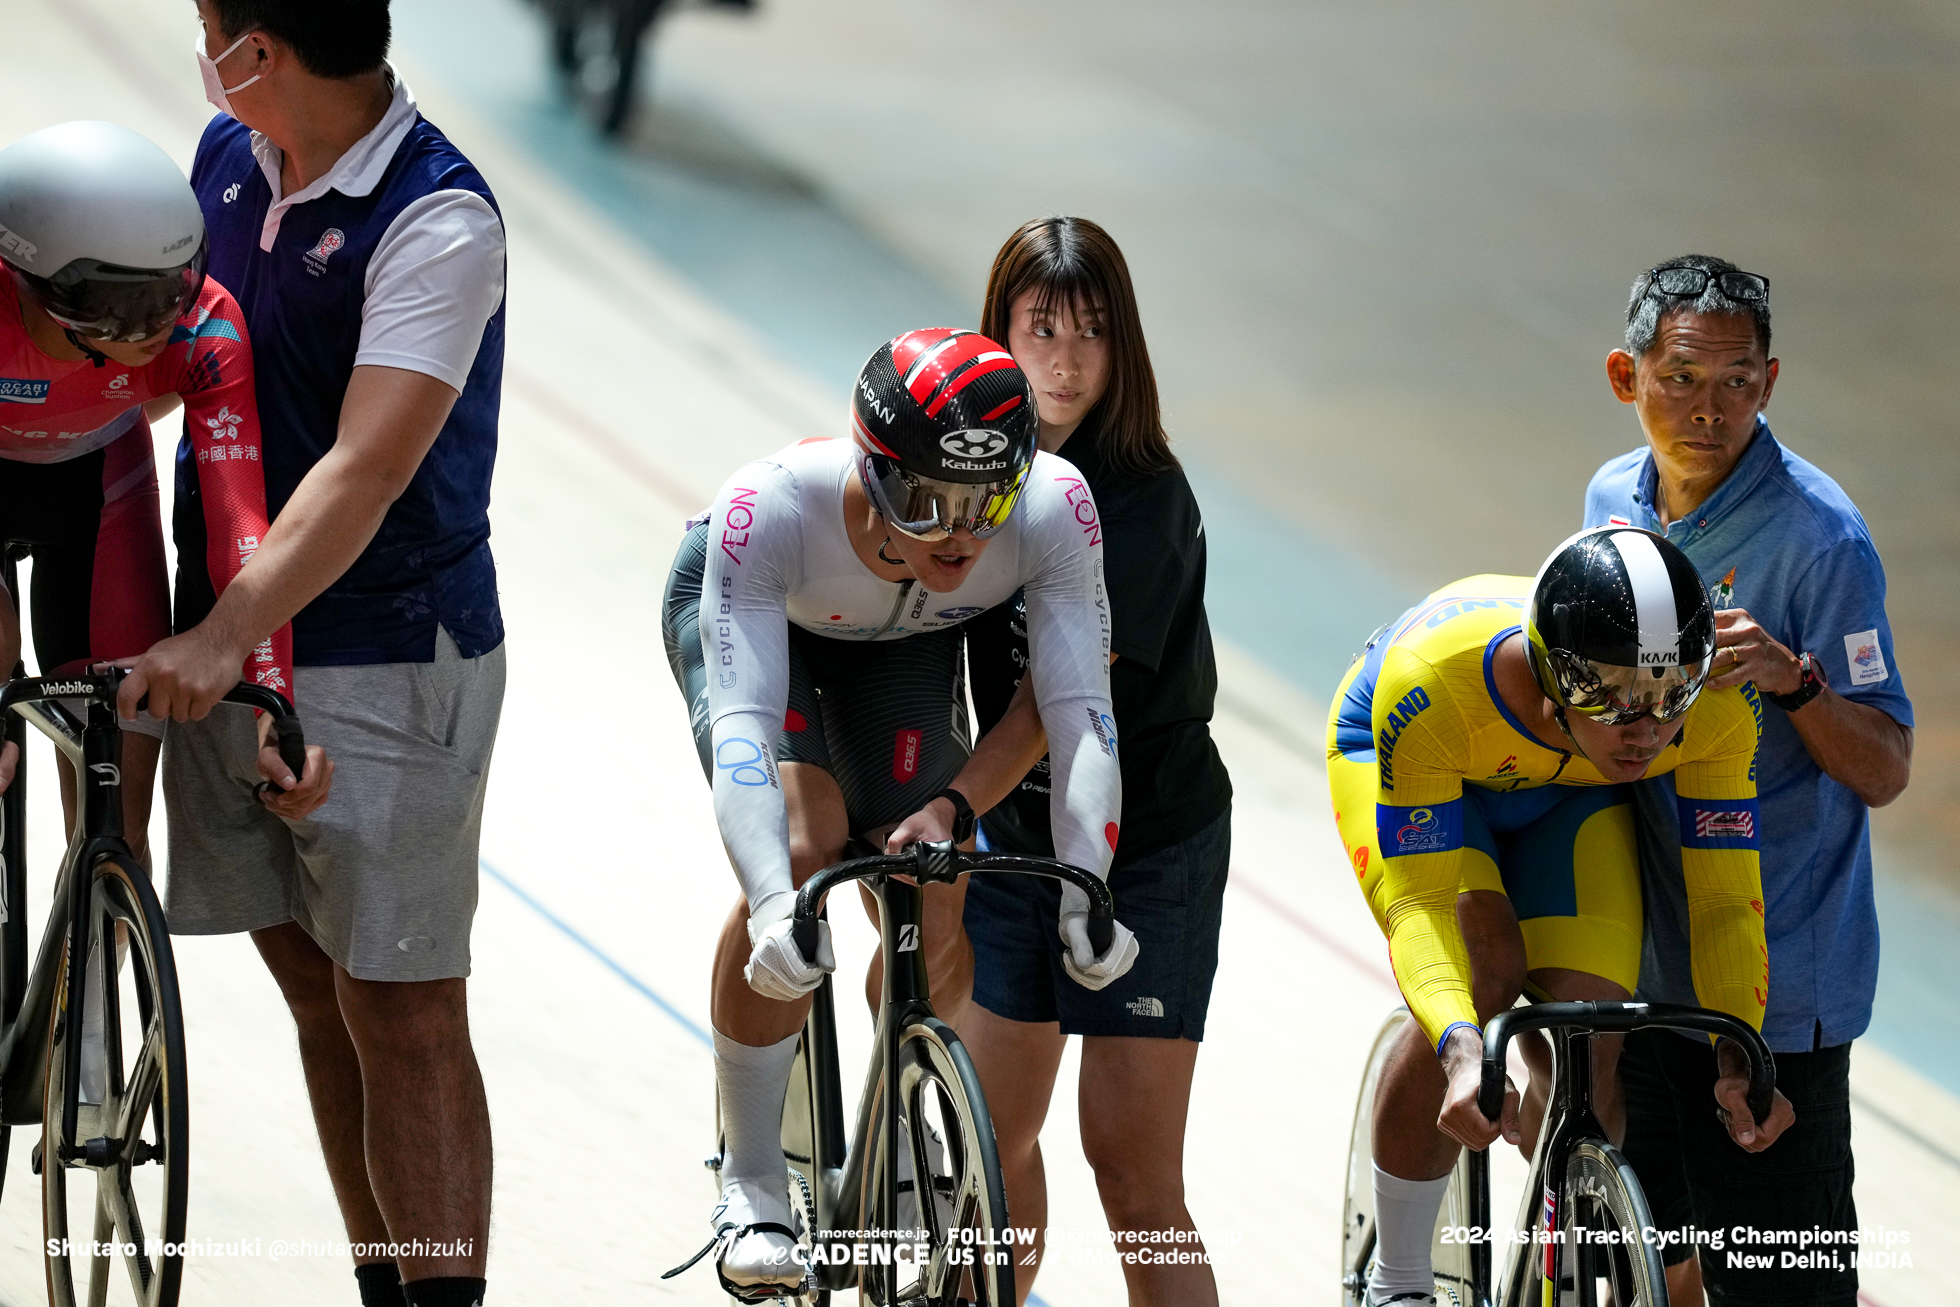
{"x":813,"y":622}
{"x":106,"y":320}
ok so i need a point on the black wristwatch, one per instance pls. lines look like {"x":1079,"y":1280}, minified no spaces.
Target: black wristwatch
{"x":1813,"y":685}
{"x":962,"y":814}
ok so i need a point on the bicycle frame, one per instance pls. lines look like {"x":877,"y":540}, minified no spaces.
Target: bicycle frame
{"x":1569,"y":1117}
{"x":94,"y":747}
{"x":839,"y":1170}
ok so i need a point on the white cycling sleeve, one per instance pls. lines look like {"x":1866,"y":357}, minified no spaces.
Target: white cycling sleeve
{"x":754,"y":548}
{"x":1068,"y":656}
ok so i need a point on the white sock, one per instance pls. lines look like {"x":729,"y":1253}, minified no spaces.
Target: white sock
{"x":752,"y":1082}
{"x":1405,"y":1231}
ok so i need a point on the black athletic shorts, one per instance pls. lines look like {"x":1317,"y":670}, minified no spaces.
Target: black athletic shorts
{"x":886,"y":718}
{"x":1698,"y":1180}
{"x":91,"y":525}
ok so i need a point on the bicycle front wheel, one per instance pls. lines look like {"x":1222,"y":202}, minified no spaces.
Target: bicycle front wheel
{"x":118,"y":1192}
{"x":1608,"y":1258}
{"x":1461,"y":1277}
{"x":949,"y":1189}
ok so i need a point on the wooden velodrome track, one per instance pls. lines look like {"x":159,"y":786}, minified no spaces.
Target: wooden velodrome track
{"x":629,"y":396}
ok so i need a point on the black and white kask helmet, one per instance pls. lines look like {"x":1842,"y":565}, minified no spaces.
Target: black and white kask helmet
{"x":1620,"y":626}
{"x":99,"y":227}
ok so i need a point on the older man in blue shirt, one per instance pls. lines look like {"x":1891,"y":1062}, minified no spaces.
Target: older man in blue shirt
{"x":1800,"y":595}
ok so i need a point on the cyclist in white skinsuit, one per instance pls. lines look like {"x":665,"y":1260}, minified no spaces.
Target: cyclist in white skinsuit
{"x":794,"y":566}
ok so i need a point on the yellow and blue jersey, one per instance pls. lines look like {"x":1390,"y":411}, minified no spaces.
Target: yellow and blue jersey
{"x":1419,"y":744}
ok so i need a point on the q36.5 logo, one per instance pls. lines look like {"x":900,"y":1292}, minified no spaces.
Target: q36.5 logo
{"x":973,"y":444}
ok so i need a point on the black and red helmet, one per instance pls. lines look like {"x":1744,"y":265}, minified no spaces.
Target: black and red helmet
{"x":946,"y":430}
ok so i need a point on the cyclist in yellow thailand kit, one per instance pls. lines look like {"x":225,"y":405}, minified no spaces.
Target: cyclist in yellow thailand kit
{"x":1417,"y":721}
{"x":1478,"y":752}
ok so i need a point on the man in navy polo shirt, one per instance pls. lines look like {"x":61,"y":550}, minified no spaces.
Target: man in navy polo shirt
{"x":368,"y":256}
{"x":1800,"y":599}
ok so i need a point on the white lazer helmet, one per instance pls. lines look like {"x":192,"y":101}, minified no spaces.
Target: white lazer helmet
{"x":99,"y":227}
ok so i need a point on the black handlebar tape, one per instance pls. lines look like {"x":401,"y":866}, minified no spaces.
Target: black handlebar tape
{"x":804,"y":932}
{"x":1762,"y":1091}
{"x":1490,"y":1095}
{"x":292,"y":744}
{"x":1102,"y":930}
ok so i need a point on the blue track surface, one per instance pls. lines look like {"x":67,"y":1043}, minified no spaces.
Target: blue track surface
{"x":767,"y":248}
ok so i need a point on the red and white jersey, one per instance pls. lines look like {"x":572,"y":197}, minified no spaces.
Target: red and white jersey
{"x":52,"y":411}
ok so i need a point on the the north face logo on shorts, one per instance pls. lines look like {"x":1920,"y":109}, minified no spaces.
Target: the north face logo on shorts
{"x":1145,"y":1007}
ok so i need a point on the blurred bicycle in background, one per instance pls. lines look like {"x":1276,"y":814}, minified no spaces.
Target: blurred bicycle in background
{"x":597,"y":46}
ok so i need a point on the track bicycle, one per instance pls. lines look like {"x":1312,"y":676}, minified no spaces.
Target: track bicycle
{"x":107,"y":1092}
{"x":917,"y":1188}
{"x":1583,"y":1224}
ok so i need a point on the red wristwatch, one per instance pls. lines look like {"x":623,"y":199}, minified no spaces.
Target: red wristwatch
{"x":1812,"y":686}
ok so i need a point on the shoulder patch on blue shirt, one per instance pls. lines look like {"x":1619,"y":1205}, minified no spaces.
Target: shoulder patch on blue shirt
{"x":1433,"y":828}
{"x":1865,"y":659}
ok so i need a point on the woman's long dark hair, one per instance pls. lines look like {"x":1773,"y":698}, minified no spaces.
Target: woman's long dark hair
{"x":1072,"y":261}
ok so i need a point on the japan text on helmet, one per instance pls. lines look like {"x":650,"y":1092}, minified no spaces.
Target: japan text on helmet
{"x":1620,"y":626}
{"x":100,"y":229}
{"x":945,"y":426}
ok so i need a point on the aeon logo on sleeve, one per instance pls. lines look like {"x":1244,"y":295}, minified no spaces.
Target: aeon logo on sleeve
{"x":1083,"y":505}
{"x":333,"y":238}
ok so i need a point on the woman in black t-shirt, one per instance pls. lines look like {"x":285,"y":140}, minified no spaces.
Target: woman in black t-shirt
{"x":1060,"y":299}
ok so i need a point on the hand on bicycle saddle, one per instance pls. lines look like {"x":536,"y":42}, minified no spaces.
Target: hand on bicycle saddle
{"x":777,"y":968}
{"x":1461,"y":1119}
{"x":1732,"y":1102}
{"x":1079,"y":956}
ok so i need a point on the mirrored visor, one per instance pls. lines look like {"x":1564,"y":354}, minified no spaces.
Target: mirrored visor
{"x":926,"y":509}
{"x":109,"y":302}
{"x":1610,"y":693}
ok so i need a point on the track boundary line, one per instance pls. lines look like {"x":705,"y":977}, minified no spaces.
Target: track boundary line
{"x":645,"y":990}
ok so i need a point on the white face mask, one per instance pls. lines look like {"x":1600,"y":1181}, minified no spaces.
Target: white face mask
{"x":215,"y":89}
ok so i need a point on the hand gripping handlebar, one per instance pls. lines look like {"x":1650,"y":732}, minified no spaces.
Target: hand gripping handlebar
{"x":102,"y":687}
{"x":940,"y":862}
{"x":1609,"y":1017}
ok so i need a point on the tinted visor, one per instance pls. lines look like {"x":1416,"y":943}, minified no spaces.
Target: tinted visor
{"x":1611,"y":694}
{"x":109,"y":302}
{"x":929,"y":510}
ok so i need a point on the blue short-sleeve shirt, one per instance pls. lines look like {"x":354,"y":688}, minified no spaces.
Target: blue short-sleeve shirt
{"x":1781,"y":539}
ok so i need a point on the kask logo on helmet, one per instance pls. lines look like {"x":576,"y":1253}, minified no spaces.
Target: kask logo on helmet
{"x":973,"y":444}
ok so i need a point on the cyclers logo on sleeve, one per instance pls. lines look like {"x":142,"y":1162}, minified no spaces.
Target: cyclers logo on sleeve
{"x":746,"y":762}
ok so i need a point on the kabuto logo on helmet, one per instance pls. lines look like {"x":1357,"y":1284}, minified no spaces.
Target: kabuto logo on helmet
{"x":973,"y":444}
{"x":945,"y":425}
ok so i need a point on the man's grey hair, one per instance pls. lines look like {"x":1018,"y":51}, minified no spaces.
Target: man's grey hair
{"x":1646,"y":309}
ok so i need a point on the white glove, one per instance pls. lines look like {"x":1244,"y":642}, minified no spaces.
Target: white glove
{"x":1078,"y":957}
{"x":776,"y":966}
